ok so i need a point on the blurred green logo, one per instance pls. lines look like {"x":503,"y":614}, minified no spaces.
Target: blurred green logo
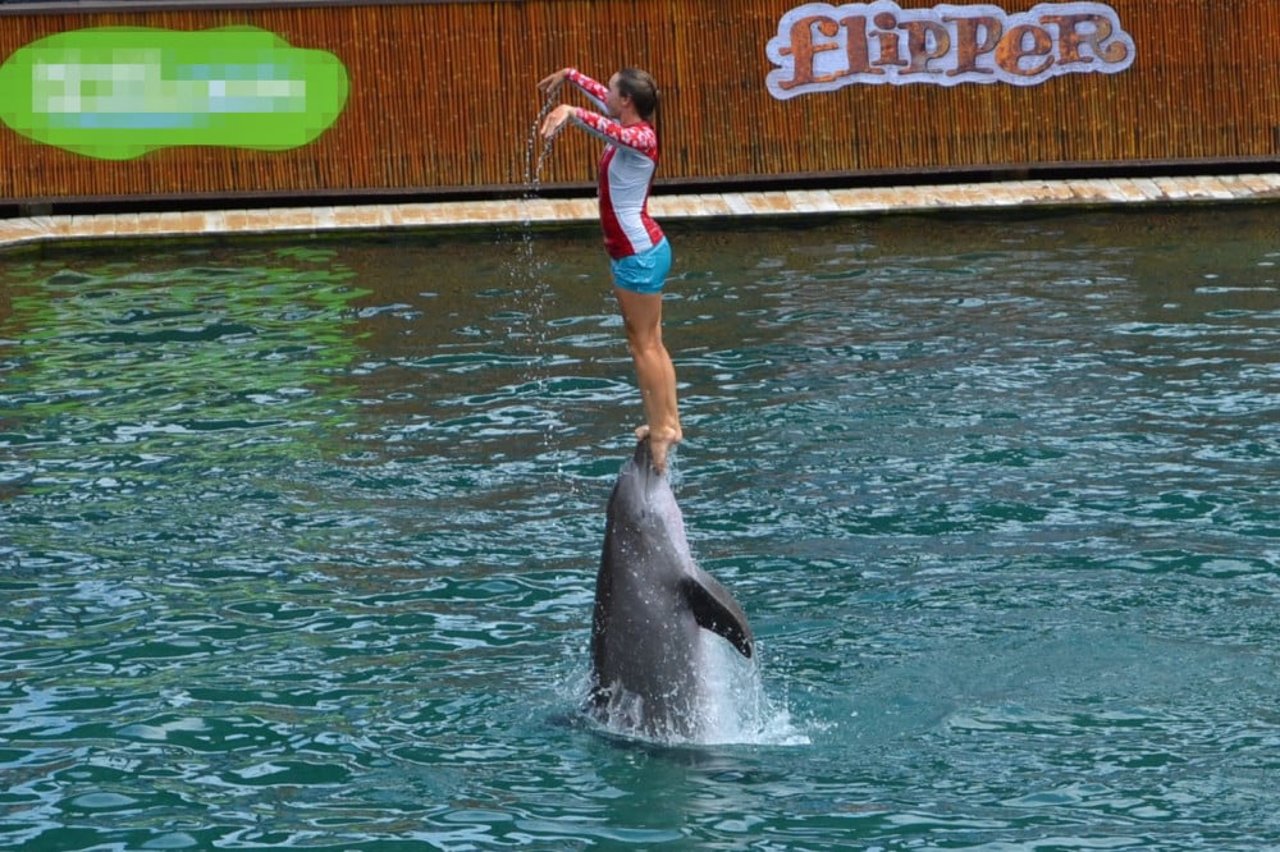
{"x":117,"y":93}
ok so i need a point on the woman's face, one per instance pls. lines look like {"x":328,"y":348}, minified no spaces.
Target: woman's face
{"x":616,"y":99}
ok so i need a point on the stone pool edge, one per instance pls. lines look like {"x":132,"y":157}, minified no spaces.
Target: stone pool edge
{"x":720,"y":205}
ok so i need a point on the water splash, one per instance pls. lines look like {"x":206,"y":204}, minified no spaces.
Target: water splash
{"x":738,"y":708}
{"x":532,"y":167}
{"x":523,"y":272}
{"x":527,"y":273}
{"x":734,"y":709}
{"x":532,"y":183}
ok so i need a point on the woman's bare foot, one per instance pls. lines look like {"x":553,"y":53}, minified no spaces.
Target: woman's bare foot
{"x":659,"y":443}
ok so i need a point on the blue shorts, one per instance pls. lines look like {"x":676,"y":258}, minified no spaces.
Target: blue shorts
{"x":645,"y":272}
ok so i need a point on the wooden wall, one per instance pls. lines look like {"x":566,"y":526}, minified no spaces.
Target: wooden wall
{"x":443,"y":99}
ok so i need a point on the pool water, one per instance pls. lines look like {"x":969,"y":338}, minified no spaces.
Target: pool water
{"x":299,"y":539}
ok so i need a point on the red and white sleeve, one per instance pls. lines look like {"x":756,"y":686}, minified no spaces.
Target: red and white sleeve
{"x":641,"y":137}
{"x":593,"y":89}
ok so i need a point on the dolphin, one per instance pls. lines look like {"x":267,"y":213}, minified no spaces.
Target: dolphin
{"x":651,"y":601}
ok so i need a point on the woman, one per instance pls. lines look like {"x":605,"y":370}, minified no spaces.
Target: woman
{"x":640,"y":256}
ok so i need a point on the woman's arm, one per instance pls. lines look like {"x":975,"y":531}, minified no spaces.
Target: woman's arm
{"x":595,"y":91}
{"x":641,"y":137}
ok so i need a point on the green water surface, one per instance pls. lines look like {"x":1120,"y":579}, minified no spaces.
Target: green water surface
{"x":298,"y":540}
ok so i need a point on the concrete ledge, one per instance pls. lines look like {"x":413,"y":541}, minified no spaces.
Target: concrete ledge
{"x":972,"y":196}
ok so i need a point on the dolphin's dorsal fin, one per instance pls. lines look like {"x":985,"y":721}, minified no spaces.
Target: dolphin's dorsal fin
{"x":716,"y":610}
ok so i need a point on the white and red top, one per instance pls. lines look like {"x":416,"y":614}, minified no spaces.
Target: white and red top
{"x":626,"y":173}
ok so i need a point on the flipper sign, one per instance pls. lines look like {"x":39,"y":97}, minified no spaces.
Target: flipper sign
{"x":820,"y":47}
{"x":116,"y":93}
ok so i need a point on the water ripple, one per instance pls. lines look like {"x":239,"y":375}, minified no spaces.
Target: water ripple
{"x":299,"y":542}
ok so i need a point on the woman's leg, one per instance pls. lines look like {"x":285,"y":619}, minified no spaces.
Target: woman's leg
{"x":655,"y":374}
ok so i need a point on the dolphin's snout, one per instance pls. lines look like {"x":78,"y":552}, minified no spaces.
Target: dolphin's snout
{"x":643,"y":458}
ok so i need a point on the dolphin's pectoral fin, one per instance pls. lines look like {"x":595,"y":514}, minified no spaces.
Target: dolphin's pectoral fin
{"x":716,"y":610}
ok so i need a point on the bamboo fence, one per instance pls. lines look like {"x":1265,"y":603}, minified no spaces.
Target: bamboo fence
{"x":443,"y":100}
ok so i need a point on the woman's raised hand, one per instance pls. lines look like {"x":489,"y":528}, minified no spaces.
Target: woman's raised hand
{"x":551,"y":84}
{"x":555,"y":120}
